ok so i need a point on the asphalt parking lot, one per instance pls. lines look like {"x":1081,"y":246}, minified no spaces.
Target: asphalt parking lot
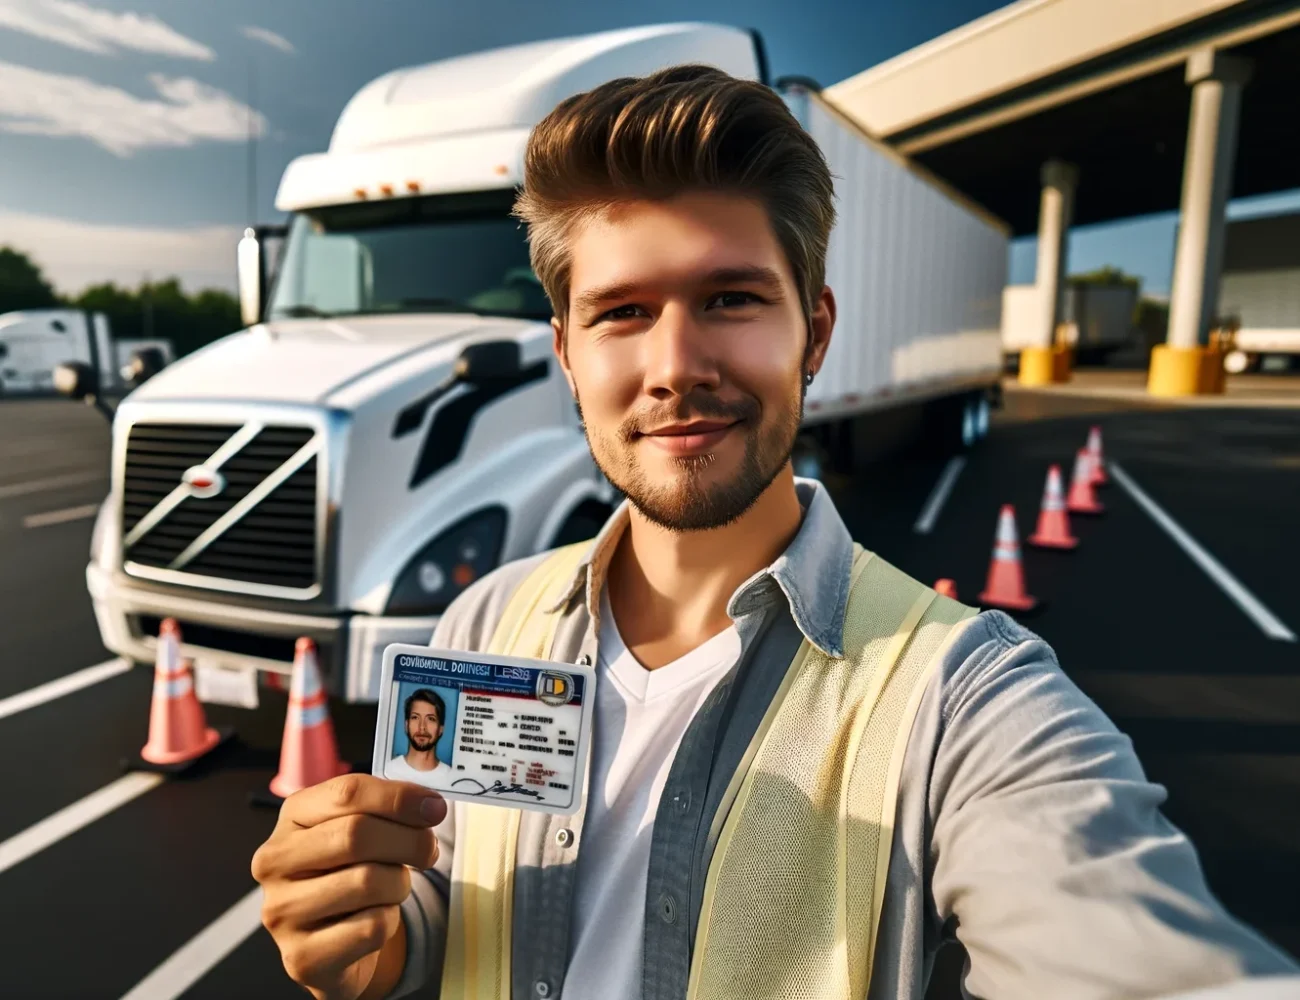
{"x":156,"y":880}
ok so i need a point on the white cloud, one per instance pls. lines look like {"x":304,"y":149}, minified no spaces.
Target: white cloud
{"x":92,"y":29}
{"x":268,"y":37}
{"x":35,"y":102}
{"x":76,"y":254}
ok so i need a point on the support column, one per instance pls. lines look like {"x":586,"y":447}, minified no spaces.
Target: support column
{"x":1183,"y":366}
{"x":1045,"y":361}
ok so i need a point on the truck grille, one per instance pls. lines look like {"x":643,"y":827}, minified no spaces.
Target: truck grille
{"x":272,"y":544}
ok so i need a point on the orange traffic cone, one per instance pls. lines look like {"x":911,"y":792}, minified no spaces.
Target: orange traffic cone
{"x":178,"y":732}
{"x":308,"y":753}
{"x":1006,"y":582}
{"x":1082,"y":499}
{"x":1099,"y":477}
{"x":946,"y":587}
{"x":1053,"y":522}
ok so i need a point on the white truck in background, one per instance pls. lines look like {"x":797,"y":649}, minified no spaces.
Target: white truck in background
{"x":392,"y":424}
{"x":33,"y":342}
{"x":1259,"y":294}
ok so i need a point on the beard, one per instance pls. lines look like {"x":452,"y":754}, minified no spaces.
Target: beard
{"x":688,"y":502}
{"x":422,"y":743}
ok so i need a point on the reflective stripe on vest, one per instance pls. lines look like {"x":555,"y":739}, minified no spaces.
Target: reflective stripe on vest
{"x":796,"y":881}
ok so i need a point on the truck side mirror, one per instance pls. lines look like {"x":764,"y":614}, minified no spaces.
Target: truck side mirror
{"x":144,"y":365}
{"x":490,"y":361}
{"x":75,"y":379}
{"x":248,"y":259}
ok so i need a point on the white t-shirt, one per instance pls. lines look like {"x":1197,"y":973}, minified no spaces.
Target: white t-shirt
{"x":401,"y":770}
{"x":640,"y":718}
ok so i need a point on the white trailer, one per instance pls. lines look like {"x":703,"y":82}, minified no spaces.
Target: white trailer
{"x":1260,"y":291}
{"x":392,"y":425}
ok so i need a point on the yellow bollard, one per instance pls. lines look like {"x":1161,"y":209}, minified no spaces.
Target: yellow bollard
{"x":1185,"y":371}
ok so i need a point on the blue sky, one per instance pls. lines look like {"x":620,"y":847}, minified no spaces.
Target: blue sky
{"x":123,"y":122}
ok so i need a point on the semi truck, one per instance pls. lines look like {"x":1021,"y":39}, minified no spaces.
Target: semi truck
{"x":392,"y":425}
{"x":33,"y":342}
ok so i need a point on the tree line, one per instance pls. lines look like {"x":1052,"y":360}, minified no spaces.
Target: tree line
{"x":153,"y":309}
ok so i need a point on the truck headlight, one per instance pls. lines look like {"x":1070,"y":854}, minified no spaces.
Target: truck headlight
{"x":465,"y":552}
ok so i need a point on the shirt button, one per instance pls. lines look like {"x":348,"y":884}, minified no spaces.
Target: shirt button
{"x":542,"y":988}
{"x":564,"y":837}
{"x":682,"y":800}
{"x":668,"y":908}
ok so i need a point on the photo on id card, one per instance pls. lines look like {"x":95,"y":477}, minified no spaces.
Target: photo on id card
{"x":500,"y":730}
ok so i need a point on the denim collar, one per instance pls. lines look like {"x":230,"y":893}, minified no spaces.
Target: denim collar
{"x":813,"y":573}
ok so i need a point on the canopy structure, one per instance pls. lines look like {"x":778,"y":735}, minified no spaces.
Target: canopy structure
{"x":1100,"y":84}
{"x":1053,"y":113}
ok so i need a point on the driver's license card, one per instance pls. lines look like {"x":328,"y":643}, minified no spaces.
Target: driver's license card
{"x":499,"y":730}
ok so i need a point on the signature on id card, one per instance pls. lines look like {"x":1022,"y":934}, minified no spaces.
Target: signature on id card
{"x":500,"y":730}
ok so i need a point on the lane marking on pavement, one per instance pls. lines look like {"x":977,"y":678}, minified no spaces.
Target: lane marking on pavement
{"x":1268,"y":622}
{"x":939,"y":495}
{"x":50,"y":483}
{"x":70,"y":819}
{"x":192,"y":960}
{"x":60,"y":686}
{"x":61,"y":516}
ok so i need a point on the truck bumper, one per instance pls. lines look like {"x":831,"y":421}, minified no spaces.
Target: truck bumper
{"x":350,"y":646}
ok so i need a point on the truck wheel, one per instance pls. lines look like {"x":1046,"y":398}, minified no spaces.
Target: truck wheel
{"x":582,"y":524}
{"x":948,"y":422}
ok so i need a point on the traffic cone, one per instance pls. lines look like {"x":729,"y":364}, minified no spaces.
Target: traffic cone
{"x":178,"y":731}
{"x":1006,"y":582}
{"x":1053,"y":522}
{"x":1099,"y":477}
{"x":1082,"y":499}
{"x":308,"y":752}
{"x":946,"y":587}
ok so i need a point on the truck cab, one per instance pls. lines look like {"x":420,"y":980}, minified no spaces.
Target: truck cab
{"x":392,"y":424}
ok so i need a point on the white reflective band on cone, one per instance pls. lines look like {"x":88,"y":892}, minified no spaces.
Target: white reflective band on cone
{"x":173,"y":687}
{"x":312,"y":715}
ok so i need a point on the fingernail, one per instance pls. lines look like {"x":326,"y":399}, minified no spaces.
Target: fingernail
{"x":433,"y":809}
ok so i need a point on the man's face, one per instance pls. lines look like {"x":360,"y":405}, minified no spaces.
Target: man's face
{"x":423,"y":727}
{"x":686,"y":348}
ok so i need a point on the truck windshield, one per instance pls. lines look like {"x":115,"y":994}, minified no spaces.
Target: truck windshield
{"x":447,"y":253}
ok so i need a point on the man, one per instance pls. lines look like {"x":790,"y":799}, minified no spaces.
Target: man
{"x":735,"y":839}
{"x":426,"y":715}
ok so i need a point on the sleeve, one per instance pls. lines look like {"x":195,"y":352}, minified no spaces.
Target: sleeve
{"x":1049,"y":849}
{"x":467,"y":624}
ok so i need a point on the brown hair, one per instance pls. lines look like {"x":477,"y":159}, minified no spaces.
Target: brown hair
{"x":680,"y":129}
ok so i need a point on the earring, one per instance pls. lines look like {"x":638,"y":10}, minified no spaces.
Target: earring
{"x":808,"y":378}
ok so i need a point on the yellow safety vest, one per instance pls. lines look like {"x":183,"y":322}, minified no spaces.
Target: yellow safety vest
{"x":794,"y":889}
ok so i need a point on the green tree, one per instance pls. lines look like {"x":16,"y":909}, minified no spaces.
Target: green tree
{"x":163,"y":309}
{"x":22,"y":286}
{"x":1106,"y":276}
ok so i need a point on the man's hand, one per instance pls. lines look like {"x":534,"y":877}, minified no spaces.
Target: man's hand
{"x":333,"y":873}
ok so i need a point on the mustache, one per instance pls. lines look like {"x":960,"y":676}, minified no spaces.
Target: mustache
{"x":696,"y":405}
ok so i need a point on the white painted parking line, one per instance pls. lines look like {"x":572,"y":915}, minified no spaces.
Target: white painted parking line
{"x":939,"y":495}
{"x":70,"y":819}
{"x":1269,"y":623}
{"x":61,"y":516}
{"x":60,"y":686}
{"x":191,"y":961}
{"x":50,"y":483}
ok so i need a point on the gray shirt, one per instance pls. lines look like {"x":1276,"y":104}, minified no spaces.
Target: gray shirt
{"x":1025,"y":825}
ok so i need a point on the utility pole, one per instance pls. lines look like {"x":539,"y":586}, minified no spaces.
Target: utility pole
{"x":252,"y":142}
{"x":146,"y":305}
